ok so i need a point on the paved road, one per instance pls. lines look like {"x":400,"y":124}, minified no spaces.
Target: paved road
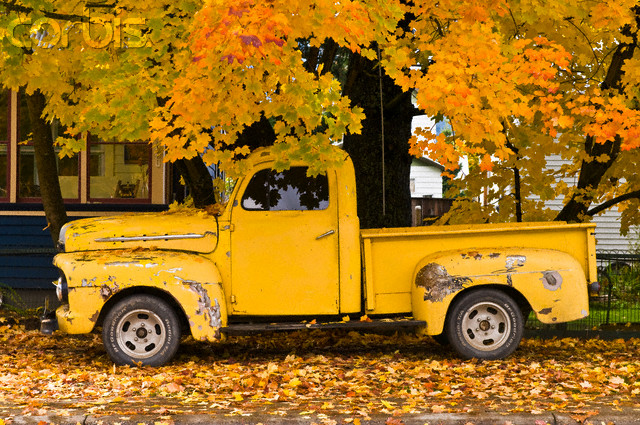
{"x":153,"y":414}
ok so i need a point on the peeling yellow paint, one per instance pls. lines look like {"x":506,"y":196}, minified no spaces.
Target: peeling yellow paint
{"x":98,"y":276}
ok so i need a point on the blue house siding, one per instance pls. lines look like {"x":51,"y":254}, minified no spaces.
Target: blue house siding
{"x":26,"y":252}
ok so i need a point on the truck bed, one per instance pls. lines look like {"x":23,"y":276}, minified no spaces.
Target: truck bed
{"x":390,"y":255}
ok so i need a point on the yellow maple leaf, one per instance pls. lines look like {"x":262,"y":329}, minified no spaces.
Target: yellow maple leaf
{"x":386,"y":404}
{"x":173,"y":387}
{"x":295,"y":382}
{"x":486,"y":164}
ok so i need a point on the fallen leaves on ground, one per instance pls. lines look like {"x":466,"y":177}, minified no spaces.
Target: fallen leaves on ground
{"x":319,"y":372}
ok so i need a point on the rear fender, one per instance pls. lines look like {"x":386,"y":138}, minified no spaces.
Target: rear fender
{"x":553,"y":282}
{"x":93,"y":278}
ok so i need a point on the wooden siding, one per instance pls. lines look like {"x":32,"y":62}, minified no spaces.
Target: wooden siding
{"x":427,"y":180}
{"x":607,"y":224}
{"x":428,"y":208}
{"x":26,"y":252}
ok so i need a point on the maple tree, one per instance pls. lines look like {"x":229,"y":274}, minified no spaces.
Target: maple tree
{"x":547,"y":101}
{"x":276,"y":60}
{"x":99,"y":69}
{"x":517,"y":81}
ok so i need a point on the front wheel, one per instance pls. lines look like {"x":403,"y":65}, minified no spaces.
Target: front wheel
{"x":141,"y":330}
{"x":484,"y":324}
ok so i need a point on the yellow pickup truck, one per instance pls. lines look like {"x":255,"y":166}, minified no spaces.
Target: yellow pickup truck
{"x":288,"y":253}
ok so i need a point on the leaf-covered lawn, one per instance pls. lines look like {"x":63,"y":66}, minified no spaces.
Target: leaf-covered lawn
{"x":311,"y":373}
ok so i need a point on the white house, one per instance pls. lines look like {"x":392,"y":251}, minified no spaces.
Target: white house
{"x":608,"y":235}
{"x":426,"y":182}
{"x":426,"y":178}
{"x":426,"y":174}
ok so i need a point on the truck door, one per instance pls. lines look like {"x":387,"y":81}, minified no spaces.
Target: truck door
{"x":284,"y":244}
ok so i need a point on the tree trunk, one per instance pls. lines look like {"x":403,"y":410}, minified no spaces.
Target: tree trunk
{"x":382,"y":201}
{"x":46,"y":164}
{"x":197,"y":178}
{"x":592,"y":170}
{"x":257,"y":135}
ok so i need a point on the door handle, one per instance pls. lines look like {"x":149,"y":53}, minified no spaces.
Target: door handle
{"x":325,"y":234}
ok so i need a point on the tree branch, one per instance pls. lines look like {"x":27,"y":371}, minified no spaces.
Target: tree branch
{"x":330,"y":49}
{"x":397,"y":100}
{"x":611,"y":202}
{"x":12,"y":6}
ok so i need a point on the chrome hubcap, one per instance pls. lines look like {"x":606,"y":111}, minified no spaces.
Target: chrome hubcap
{"x":486,"y":326}
{"x":141,"y":334}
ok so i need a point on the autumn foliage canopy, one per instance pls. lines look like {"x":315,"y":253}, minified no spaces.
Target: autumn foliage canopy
{"x":517,"y":80}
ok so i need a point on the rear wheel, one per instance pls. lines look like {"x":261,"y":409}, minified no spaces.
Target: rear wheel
{"x":485,"y":324}
{"x":141,"y":330}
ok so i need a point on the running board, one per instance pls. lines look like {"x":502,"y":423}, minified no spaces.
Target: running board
{"x":372,"y":326}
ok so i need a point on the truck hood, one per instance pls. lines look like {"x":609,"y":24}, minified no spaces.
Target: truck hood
{"x":183,"y":231}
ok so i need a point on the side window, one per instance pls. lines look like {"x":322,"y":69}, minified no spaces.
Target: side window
{"x":255,"y":196}
{"x":289,"y":190}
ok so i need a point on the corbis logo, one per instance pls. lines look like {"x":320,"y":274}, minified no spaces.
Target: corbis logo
{"x":96,"y":30}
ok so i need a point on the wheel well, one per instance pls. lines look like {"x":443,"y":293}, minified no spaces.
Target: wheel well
{"x":165,"y":296}
{"x":520,"y":299}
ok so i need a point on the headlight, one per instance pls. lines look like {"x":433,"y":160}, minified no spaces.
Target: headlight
{"x":62,"y":290}
{"x":62,"y":238}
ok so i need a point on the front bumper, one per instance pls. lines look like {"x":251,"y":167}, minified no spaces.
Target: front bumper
{"x":49,"y":323}
{"x":66,"y":321}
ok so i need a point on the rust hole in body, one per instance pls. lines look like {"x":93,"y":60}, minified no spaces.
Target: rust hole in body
{"x":438,"y":283}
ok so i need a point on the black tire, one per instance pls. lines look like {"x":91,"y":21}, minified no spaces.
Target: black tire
{"x":441,"y":339}
{"x":141,"y":330}
{"x":484,"y":324}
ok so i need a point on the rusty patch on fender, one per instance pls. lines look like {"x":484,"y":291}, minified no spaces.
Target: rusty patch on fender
{"x":438,"y":283}
{"x":472,"y":255}
{"x":210,"y":311}
{"x":106,"y":291}
{"x":551,"y":280}
{"x":88,"y":283}
{"x":94,"y":317}
{"x":545,"y":311}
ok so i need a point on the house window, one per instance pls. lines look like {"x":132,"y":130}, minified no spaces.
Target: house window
{"x":4,"y":144}
{"x":118,"y":171}
{"x":29,"y":185}
{"x":28,"y":181}
{"x":107,"y":171}
{"x":28,"y":178}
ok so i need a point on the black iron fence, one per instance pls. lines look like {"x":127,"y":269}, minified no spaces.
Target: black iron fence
{"x":616,"y":305}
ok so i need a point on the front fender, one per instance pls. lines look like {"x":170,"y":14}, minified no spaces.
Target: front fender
{"x":94,"y":277}
{"x":553,"y":282}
